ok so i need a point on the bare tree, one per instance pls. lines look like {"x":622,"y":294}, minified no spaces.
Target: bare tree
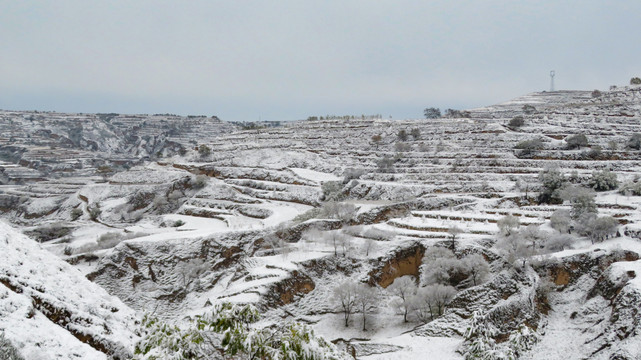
{"x":508,"y":224}
{"x":345,"y":296}
{"x":477,"y":268}
{"x":602,"y":227}
{"x":403,"y":288}
{"x":366,"y":300}
{"x":370,"y":244}
{"x":430,"y":301}
{"x":514,"y":247}
{"x":454,"y":231}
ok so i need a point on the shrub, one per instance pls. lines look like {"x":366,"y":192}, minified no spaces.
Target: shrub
{"x":402,"y":147}
{"x":528,"y":109}
{"x":416,"y":133}
{"x":596,"y":94}
{"x":94,"y":211}
{"x":351,"y":174}
{"x":378,"y":234}
{"x":68,"y":250}
{"x":178,"y":223}
{"x":402,"y":135}
{"x":634,"y":142}
{"x":576,"y":141}
{"x":595,"y":152}
{"x":204,"y":150}
{"x":332,"y":191}
{"x":635,"y":81}
{"x":528,"y":147}
{"x":76,"y":213}
{"x":385,"y":165}
{"x":48,"y":232}
{"x":7,"y":350}
{"x":109,"y":240}
{"x":376,"y":139}
{"x":603,"y":181}
{"x":631,"y":188}
{"x":231,"y":331}
{"x":200,"y":181}
{"x":453,"y":113}
{"x":516,"y":122}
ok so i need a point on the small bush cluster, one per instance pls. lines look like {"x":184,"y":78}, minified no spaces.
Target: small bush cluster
{"x":516,"y":122}
{"x":576,"y":141}
{"x":603,"y":181}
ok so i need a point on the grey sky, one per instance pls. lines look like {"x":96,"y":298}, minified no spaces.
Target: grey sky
{"x":285,"y":60}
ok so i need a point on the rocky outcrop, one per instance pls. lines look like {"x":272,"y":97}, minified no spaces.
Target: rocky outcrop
{"x":288,"y":290}
{"x":567,"y":270}
{"x":163,"y":272}
{"x":406,"y":261}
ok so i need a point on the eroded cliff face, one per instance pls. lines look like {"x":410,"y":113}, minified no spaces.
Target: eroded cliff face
{"x":406,"y":261}
{"x":163,"y":274}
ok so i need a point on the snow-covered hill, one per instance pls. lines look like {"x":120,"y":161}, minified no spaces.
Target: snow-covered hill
{"x":49,"y":310}
{"x":281,"y":216}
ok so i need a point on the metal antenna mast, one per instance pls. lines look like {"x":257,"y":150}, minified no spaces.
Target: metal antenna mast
{"x":552,"y":80}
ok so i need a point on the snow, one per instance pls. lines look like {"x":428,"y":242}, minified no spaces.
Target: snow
{"x":315,"y":175}
{"x":38,"y":274}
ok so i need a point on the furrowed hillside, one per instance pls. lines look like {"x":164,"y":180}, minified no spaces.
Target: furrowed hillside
{"x":495,"y":232}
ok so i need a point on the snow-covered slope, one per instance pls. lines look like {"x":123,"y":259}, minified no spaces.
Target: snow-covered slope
{"x":49,"y":310}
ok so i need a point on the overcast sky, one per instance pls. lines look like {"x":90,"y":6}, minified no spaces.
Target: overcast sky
{"x":285,"y":60}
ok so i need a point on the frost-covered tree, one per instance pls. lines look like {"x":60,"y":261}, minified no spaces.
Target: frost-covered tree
{"x":561,"y":221}
{"x":476,"y":267}
{"x":552,"y":182}
{"x":601,"y":228}
{"x":366,"y":300}
{"x":534,"y":238}
{"x":345,"y":297}
{"x":338,"y":210}
{"x":529,"y":147}
{"x":603,"y":181}
{"x":508,"y":224}
{"x":403,"y":289}
{"x":94,"y":211}
{"x":368,"y":246}
{"x":430,"y":301}
{"x":204,"y":151}
{"x":514,"y":247}
{"x":447,"y":271}
{"x":581,"y":199}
